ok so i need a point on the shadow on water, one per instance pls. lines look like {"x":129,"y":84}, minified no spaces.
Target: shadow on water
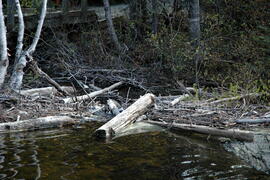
{"x":73,"y":154}
{"x":256,"y":153}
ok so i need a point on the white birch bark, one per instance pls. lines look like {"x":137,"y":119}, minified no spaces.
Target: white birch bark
{"x":17,"y":75}
{"x":3,"y":47}
{"x":20,"y":31}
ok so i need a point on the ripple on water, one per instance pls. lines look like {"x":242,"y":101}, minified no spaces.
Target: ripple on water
{"x":73,"y":154}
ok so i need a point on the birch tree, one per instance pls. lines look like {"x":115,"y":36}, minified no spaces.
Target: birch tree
{"x":22,"y":56}
{"x":3,"y":47}
{"x":111,"y":29}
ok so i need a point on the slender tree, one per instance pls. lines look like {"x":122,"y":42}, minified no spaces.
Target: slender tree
{"x":194,"y":22}
{"x":111,"y":29}
{"x":3,"y":47}
{"x":17,"y":74}
{"x":195,"y":33}
{"x":154,"y":16}
{"x":10,"y":14}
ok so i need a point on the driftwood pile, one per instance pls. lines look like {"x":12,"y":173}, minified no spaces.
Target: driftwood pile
{"x":181,"y":113}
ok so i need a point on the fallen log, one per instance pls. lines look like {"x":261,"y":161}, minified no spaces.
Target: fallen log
{"x":253,"y":121}
{"x":180,"y":98}
{"x":126,"y":117}
{"x":46,"y":91}
{"x":91,"y":95}
{"x":231,"y":99}
{"x":39,"y":123}
{"x":229,"y":133}
{"x":114,"y":106}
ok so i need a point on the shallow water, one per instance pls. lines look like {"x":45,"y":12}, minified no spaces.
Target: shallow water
{"x":72,"y":154}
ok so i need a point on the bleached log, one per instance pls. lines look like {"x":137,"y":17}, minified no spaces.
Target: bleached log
{"x":126,"y":117}
{"x":180,"y":98}
{"x":4,"y":62}
{"x":46,"y":91}
{"x":253,"y":121}
{"x":231,"y":99}
{"x":91,"y":95}
{"x":230,"y":133}
{"x":113,"y":106}
{"x":39,"y":123}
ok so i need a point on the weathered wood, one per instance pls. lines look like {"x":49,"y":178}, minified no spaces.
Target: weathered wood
{"x":91,"y":95}
{"x":57,"y":18}
{"x":231,"y":99}
{"x":46,"y":91}
{"x":180,"y":98}
{"x":113,"y":106}
{"x":126,"y":117}
{"x":230,"y":133}
{"x":39,"y":123}
{"x":253,"y":121}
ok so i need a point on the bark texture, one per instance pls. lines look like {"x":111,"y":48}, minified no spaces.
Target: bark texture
{"x":125,"y":118}
{"x":3,"y":47}
{"x":111,"y":29}
{"x":17,"y":75}
{"x":194,"y":22}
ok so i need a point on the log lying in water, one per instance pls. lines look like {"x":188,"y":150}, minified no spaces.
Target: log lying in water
{"x":91,"y":95}
{"x":39,"y":123}
{"x":126,"y":117}
{"x":229,"y":133}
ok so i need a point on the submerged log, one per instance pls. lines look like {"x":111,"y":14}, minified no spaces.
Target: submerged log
{"x":39,"y":123}
{"x":91,"y":95}
{"x":229,"y":133}
{"x":126,"y":117}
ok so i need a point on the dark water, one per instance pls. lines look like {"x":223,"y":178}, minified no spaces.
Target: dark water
{"x":72,"y":154}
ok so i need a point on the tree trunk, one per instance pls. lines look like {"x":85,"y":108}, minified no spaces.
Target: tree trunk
{"x":154,"y":16}
{"x":10,"y":14}
{"x":194,"y":22}
{"x":108,"y":16}
{"x":17,"y":75}
{"x":20,"y":32}
{"x":195,"y":34}
{"x":126,"y":117}
{"x":3,"y":47}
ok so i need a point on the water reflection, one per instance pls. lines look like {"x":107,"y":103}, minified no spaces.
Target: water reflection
{"x":72,"y":154}
{"x":256,"y":153}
